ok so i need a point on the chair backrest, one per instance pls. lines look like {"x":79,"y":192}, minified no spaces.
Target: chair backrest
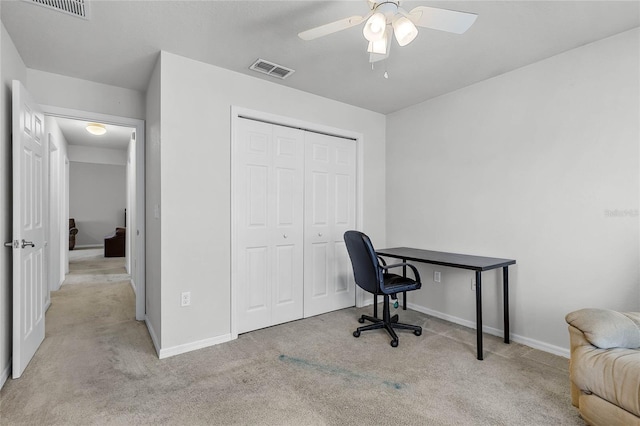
{"x":366,"y":269}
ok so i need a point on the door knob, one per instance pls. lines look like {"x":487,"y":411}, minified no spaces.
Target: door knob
{"x":284,"y":235}
{"x":319,"y":234}
{"x":9,"y":244}
{"x":27,"y":243}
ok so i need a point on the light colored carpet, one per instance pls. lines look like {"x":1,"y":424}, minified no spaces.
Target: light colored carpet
{"x":88,"y":266}
{"x":97,"y":365}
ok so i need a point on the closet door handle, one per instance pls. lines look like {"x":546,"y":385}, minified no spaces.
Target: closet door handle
{"x":319,"y":234}
{"x":284,"y":236}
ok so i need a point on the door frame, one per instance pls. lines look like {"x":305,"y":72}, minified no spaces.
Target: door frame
{"x":138,"y":276}
{"x":53,"y":217}
{"x":240,"y":113}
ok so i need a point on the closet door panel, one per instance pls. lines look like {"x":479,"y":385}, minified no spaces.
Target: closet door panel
{"x":330,"y":170}
{"x":287,"y":197}
{"x":269,"y":233}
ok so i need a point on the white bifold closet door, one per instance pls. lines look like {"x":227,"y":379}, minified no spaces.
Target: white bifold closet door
{"x":296,"y":198}
{"x":269,"y":225}
{"x":330,"y":210}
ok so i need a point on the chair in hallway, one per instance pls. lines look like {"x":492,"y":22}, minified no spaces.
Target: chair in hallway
{"x":373,"y":277}
{"x":114,"y":245}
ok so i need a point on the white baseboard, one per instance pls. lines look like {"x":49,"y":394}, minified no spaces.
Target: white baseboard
{"x":5,"y":373}
{"x":532,"y":343}
{"x":545,"y":347}
{"x":152,"y":333}
{"x":188,"y":347}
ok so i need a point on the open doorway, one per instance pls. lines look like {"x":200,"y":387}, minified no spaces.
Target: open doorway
{"x":100,"y":181}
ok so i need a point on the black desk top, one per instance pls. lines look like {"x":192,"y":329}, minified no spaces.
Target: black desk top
{"x":454,"y":260}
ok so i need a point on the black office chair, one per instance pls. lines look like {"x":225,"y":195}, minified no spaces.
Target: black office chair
{"x":372,"y":276}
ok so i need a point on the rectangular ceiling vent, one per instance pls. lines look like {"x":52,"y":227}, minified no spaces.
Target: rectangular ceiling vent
{"x":269,"y":68}
{"x":77,"y":8}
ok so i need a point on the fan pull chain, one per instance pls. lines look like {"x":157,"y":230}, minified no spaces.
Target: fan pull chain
{"x":386,"y":73}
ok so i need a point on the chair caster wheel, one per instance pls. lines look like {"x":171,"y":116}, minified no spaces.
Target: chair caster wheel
{"x":356,"y":333}
{"x":394,"y":343}
{"x":361,"y":320}
{"x":417,"y":332}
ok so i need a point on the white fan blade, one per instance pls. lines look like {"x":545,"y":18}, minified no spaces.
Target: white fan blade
{"x":331,"y":28}
{"x":442,"y":19}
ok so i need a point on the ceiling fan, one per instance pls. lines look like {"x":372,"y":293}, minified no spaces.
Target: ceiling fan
{"x":387,"y":17}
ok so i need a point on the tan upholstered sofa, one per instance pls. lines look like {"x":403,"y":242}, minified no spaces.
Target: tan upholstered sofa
{"x":605,"y":366}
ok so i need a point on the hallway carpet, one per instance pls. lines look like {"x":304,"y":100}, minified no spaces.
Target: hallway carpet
{"x":97,"y":365}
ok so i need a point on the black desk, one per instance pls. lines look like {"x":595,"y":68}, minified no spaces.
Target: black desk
{"x":463,"y":261}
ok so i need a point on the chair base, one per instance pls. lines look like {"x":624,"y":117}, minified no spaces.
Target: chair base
{"x":387,"y":322}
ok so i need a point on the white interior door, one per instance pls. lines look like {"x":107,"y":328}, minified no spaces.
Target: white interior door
{"x":269,"y":232}
{"x":330,"y":210}
{"x":29,"y":274}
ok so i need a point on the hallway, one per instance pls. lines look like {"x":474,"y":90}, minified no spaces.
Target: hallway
{"x":91,"y":346}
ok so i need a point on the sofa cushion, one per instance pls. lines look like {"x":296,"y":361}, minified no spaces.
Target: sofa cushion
{"x":605,"y":329}
{"x":611,"y":374}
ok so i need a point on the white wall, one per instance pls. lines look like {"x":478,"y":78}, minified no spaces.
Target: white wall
{"x":196,"y":100}
{"x":97,"y":199}
{"x":11,"y":67}
{"x":152,"y":204}
{"x":68,"y":92}
{"x":527,"y":165}
{"x":95,"y":155}
{"x":98,"y":192}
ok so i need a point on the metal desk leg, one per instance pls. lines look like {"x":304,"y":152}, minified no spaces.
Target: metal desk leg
{"x":479,"y":315}
{"x":404,"y":293}
{"x":505,"y":293}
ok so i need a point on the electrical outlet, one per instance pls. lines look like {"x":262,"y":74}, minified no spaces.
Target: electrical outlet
{"x":185,"y":300}
{"x":436,"y":276}
{"x":473,"y":284}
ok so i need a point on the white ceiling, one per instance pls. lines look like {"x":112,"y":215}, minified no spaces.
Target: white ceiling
{"x":75,"y":132}
{"x":119,"y":45}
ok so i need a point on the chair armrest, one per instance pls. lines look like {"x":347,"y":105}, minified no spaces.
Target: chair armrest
{"x":384,"y":262}
{"x":416,"y":274}
{"x":606,"y":329}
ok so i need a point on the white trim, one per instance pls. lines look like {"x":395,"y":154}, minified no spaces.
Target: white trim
{"x":188,"y":347}
{"x":236,"y":114}
{"x":6,"y":373}
{"x":543,"y":346}
{"x":532,"y":343}
{"x":139,"y":125}
{"x":152,"y":333}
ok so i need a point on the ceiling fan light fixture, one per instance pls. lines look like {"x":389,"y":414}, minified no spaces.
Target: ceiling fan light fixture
{"x":96,"y":129}
{"x":404,"y":30}
{"x":374,"y":28}
{"x":379,"y":46}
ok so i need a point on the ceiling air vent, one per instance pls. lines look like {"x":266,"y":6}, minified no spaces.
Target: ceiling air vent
{"x":269,"y":68}
{"x":78,"y":8}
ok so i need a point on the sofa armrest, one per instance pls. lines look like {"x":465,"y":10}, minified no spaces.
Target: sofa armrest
{"x":606,"y":329}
